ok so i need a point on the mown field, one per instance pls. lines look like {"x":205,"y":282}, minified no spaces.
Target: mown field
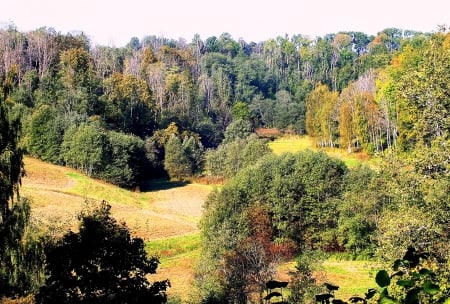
{"x":165,"y":215}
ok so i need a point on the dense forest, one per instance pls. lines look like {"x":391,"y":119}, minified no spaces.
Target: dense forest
{"x":162,"y":107}
{"x":126,"y":103}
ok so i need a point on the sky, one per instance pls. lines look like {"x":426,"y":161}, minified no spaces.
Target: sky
{"x":115,"y":22}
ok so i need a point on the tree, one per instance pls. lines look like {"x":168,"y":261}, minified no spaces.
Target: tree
{"x":299,"y":194}
{"x":129,"y":106}
{"x":84,"y":147}
{"x":124,"y":159}
{"x":176,"y":162}
{"x":101,"y":263}
{"x":320,"y":116}
{"x":253,"y":262}
{"x":15,"y":258}
{"x":229,"y":158}
{"x":237,"y":129}
{"x":79,"y":85}
{"x":45,"y":135}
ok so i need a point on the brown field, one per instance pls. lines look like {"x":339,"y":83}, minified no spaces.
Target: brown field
{"x":58,"y":194}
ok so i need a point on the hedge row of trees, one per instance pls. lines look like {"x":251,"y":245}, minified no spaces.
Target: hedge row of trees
{"x":61,"y":84}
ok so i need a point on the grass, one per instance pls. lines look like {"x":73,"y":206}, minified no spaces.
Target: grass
{"x":178,"y":257}
{"x":171,"y":249}
{"x":295,"y":144}
{"x":291,"y":144}
{"x":352,"y":277}
{"x":98,"y":190}
{"x":164,"y":214}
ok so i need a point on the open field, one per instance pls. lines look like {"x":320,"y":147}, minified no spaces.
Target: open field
{"x":58,"y":194}
{"x":299,"y":143}
{"x":352,"y":277}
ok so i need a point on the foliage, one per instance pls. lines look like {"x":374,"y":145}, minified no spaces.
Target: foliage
{"x":359,"y":210}
{"x":320,"y":117}
{"x":101,"y":263}
{"x":45,"y":135}
{"x":83,"y":148}
{"x":184,"y":158}
{"x":124,"y":160}
{"x":19,"y":260}
{"x":298,"y":192}
{"x":238,"y":129}
{"x":229,"y":158}
{"x":207,"y":86}
{"x":303,"y":283}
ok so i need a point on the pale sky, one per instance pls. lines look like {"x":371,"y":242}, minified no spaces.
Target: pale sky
{"x":113,"y":23}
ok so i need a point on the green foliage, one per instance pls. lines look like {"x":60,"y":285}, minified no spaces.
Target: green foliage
{"x":229,"y":158}
{"x":128,"y":105}
{"x":416,"y":278}
{"x":299,"y":192}
{"x":359,"y":209}
{"x":241,"y":110}
{"x":176,"y":162}
{"x":411,"y":281}
{"x":19,"y":262}
{"x":101,"y":263}
{"x":45,"y":135}
{"x":238,"y":129}
{"x":124,"y":160}
{"x":303,"y":283}
{"x":184,"y":158}
{"x":83,"y":148}
{"x":320,"y":122}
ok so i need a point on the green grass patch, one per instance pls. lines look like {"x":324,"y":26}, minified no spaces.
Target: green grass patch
{"x":98,"y":190}
{"x":295,"y":144}
{"x":291,"y":144}
{"x":169,"y":250}
{"x":352,"y":277}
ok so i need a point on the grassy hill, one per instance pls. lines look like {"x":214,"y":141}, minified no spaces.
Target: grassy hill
{"x":164,"y":214}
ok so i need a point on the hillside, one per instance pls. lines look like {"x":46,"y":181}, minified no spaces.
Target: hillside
{"x":59,"y":193}
{"x":164,"y":213}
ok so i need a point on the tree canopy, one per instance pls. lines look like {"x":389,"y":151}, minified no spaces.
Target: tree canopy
{"x":102,"y":263}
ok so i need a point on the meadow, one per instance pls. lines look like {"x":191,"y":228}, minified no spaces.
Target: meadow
{"x":165,"y":215}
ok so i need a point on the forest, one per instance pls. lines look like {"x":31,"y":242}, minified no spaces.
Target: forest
{"x":206,"y":109}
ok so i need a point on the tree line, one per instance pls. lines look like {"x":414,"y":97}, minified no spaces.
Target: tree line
{"x":102,"y":109}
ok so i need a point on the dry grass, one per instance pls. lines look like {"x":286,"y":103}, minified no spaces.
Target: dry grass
{"x":58,"y":194}
{"x":166,"y":214}
{"x":352,"y":277}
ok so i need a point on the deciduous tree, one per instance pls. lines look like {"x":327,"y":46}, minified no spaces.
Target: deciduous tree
{"x":102,"y":263}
